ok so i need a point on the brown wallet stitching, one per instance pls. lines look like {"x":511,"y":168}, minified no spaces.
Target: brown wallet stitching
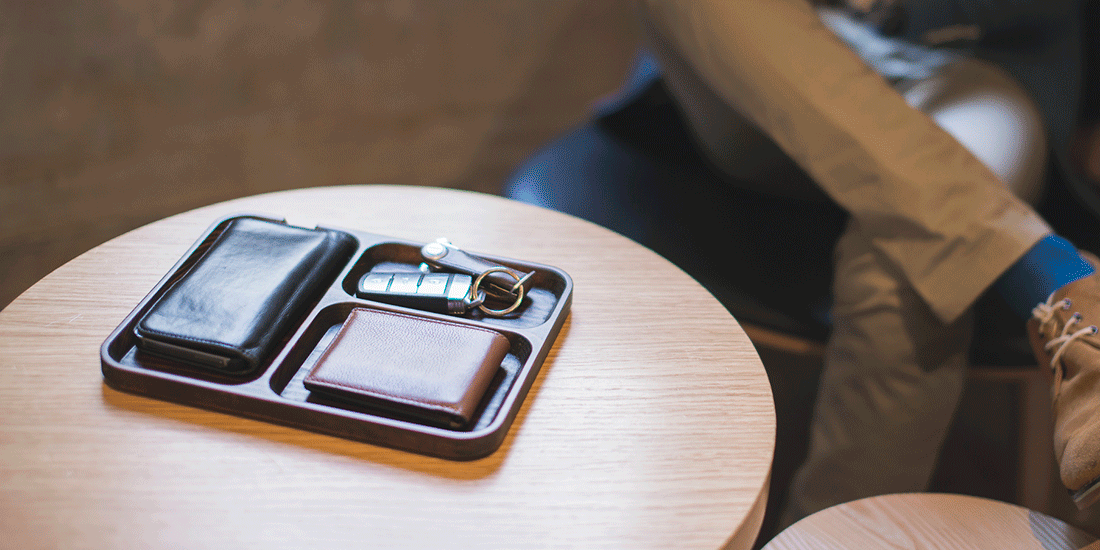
{"x":397,"y":398}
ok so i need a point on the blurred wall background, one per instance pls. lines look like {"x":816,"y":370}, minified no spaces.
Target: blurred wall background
{"x":119,"y":112}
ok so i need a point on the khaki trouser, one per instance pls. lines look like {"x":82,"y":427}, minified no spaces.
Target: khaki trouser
{"x":932,"y":225}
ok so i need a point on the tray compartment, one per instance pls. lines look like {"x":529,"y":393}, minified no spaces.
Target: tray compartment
{"x":546,"y":286}
{"x":287,"y":381}
{"x":120,"y":348}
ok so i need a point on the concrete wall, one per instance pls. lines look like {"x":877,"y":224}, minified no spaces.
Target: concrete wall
{"x":116,"y":113}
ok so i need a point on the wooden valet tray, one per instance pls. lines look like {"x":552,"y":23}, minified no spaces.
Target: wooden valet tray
{"x":275,"y":392}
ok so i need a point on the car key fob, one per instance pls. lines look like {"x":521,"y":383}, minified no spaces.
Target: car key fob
{"x":435,"y":292}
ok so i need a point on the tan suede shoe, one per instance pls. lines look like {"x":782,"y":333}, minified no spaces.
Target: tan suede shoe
{"x":1064,"y":336}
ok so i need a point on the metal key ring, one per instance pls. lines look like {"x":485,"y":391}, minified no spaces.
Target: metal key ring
{"x":498,"y":312}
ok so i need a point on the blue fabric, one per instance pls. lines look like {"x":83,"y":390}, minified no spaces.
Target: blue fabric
{"x":1051,"y":264}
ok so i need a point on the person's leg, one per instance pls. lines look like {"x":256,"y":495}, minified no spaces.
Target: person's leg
{"x":987,"y":112}
{"x":925,"y":203}
{"x":936,"y":226}
{"x":894,"y":371}
{"x":994,"y":118}
{"x":893,"y":377}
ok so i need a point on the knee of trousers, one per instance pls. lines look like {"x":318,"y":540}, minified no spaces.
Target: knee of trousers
{"x":991,"y":115}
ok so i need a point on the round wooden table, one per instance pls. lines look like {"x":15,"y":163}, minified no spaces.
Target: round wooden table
{"x":650,"y":425}
{"x":931,"y":521}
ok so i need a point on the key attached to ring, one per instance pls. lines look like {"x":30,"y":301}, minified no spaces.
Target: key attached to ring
{"x":502,"y":283}
{"x":475,"y":282}
{"x":499,"y":283}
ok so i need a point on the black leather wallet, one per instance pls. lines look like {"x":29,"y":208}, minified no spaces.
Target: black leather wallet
{"x":240,"y":298}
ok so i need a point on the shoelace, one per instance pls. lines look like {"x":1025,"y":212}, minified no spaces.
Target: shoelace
{"x":1044,"y":312}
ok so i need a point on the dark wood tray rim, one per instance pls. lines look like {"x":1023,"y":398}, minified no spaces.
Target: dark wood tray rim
{"x":531,"y":332}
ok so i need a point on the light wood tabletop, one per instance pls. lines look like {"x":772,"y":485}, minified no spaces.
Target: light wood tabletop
{"x":920,"y":521}
{"x":650,"y":425}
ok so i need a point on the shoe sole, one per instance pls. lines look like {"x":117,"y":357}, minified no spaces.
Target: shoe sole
{"x":1088,"y":495}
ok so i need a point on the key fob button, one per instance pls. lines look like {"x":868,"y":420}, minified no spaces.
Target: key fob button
{"x":375,"y":282}
{"x":405,"y":283}
{"x":460,"y":287}
{"x":434,"y":284}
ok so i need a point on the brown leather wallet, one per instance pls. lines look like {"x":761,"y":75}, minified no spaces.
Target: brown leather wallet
{"x":428,"y":370}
